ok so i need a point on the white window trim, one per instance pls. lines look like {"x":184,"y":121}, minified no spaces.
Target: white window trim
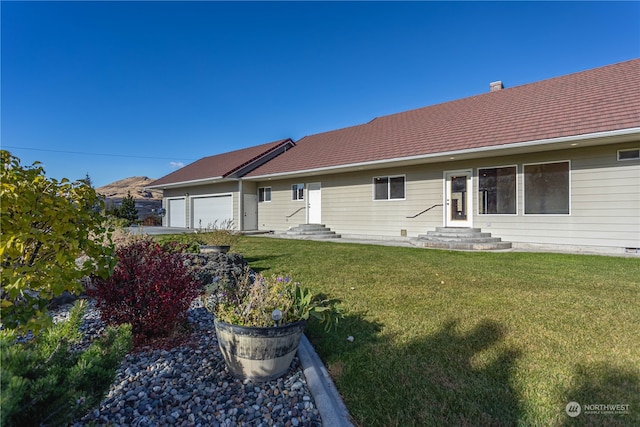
{"x":628,"y":160}
{"x":524,"y":208}
{"x":388,"y":199}
{"x":270,"y":195}
{"x":303,"y":191}
{"x":517,"y":188}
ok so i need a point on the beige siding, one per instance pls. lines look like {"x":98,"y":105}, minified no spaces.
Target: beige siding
{"x":348,"y":206}
{"x":230,"y":187}
{"x":605,"y":202}
{"x":281,"y":212}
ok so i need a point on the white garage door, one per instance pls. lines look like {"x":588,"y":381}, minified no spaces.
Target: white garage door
{"x":177,"y":213}
{"x":211,"y":209}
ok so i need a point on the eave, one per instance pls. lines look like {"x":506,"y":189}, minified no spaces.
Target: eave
{"x":525,"y":147}
{"x":195,"y":182}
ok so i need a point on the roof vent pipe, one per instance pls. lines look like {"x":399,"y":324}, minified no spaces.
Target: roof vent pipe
{"x":496,"y":86}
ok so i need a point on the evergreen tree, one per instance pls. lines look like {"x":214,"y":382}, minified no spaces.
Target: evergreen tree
{"x":128,"y":209}
{"x":87,"y":180}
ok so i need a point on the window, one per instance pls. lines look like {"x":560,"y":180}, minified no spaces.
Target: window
{"x":633,"y":154}
{"x":497,"y":190}
{"x":264,"y":194}
{"x":388,"y":187}
{"x":297,"y":192}
{"x":546,"y":188}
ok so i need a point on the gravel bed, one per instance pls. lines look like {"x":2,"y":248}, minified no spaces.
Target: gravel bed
{"x":190,"y":386}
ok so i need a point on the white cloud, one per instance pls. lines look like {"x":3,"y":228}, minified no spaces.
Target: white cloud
{"x":176,"y":165}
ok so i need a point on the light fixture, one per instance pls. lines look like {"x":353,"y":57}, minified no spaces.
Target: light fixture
{"x":276,"y":315}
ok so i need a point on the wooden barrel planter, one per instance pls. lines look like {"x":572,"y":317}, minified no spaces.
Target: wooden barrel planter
{"x":214,"y":248}
{"x":258,"y":354}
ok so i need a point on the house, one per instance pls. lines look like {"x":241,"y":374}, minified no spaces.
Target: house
{"x":211,"y":190}
{"x":553,"y":164}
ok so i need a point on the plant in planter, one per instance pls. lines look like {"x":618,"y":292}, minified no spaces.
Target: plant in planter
{"x":217,"y":238}
{"x":259,"y":321}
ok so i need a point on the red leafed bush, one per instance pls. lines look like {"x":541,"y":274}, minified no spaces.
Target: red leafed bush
{"x":151,"y":289}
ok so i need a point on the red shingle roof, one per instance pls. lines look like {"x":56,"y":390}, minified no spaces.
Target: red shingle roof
{"x":598,"y":100}
{"x":221,"y":165}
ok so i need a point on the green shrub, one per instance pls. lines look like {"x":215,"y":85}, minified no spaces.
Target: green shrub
{"x":126,"y":212}
{"x":117,"y":223}
{"x":189,"y":241}
{"x":51,"y":236}
{"x":223,"y":234}
{"x":45,"y":382}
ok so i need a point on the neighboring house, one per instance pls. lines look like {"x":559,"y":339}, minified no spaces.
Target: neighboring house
{"x":554,"y":163}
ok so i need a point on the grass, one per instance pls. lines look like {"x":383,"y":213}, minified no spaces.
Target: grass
{"x":466,"y":338}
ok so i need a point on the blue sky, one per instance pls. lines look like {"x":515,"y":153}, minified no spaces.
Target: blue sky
{"x":118,"y":89}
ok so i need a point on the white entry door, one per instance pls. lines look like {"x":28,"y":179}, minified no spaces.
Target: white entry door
{"x":314,"y":211}
{"x":458,"y":199}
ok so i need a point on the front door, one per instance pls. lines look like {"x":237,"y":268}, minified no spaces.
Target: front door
{"x":458,"y":200}
{"x":250,"y":212}
{"x":314,"y":212}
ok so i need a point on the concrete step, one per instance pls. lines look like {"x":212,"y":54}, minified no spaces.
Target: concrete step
{"x":471,"y":239}
{"x":460,"y":235}
{"x":458,"y":230}
{"x":464,"y":245}
{"x":460,"y":238}
{"x":311,"y":227}
{"x":310,"y":231}
{"x":310,"y":236}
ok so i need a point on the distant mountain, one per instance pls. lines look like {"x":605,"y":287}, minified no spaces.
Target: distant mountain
{"x":134,"y":185}
{"x":148,"y":202}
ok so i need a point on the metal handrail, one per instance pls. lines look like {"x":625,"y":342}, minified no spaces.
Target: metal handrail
{"x":299,"y":209}
{"x":426,"y":210}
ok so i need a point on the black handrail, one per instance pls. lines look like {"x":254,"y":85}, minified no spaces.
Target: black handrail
{"x":299,"y":209}
{"x":426,"y":210}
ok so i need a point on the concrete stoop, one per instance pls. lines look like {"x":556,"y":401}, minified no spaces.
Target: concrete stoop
{"x":461,"y":238}
{"x":310,"y":231}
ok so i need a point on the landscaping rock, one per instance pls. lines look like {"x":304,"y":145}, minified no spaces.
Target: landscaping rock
{"x":213,"y":266}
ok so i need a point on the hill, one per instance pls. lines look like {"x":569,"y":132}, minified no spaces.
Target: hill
{"x":148,"y":202}
{"x":134,"y":185}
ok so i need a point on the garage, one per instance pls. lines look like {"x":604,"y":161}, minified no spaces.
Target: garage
{"x":209,"y":210}
{"x":176,"y":213}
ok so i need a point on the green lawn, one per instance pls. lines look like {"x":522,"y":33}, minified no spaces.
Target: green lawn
{"x":466,"y":338}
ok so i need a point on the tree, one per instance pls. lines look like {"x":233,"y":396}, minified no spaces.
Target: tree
{"x":51,"y":237}
{"x":87,"y":180}
{"x":128,"y":209}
